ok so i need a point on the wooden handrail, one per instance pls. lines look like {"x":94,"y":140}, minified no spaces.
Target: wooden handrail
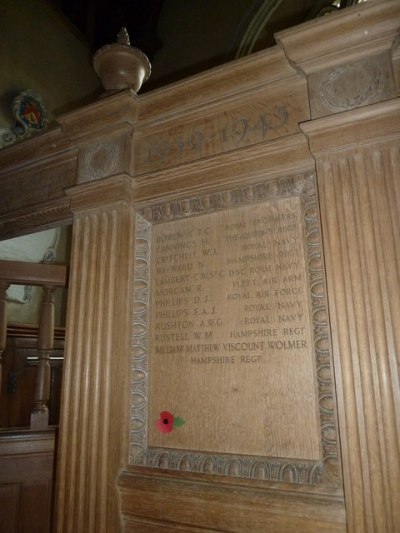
{"x":20,"y":273}
{"x":31,"y":330}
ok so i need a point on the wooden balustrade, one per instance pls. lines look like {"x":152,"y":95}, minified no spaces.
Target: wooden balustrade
{"x":40,"y":411}
{"x":3,"y":321}
{"x":49,"y":277}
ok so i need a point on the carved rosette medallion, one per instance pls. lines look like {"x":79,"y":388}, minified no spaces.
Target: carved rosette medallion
{"x":350,"y":86}
{"x":98,"y":161}
{"x":323,"y":471}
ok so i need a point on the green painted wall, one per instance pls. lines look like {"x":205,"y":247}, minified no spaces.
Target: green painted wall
{"x":39,"y":50}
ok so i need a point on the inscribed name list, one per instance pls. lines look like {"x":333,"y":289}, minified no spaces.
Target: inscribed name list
{"x":231,"y":349}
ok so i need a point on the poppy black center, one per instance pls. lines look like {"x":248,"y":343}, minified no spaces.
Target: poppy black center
{"x":165,"y":420}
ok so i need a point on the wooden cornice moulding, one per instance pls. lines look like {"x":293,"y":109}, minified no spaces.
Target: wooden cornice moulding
{"x":35,"y":217}
{"x":33,"y":197}
{"x":288,"y":155}
{"x":346,"y":56}
{"x":101,"y":193}
{"x":101,"y":118}
{"x":40,"y":150}
{"x":353,"y":34}
{"x":33,"y":175}
{"x":228,"y":102}
{"x":257,"y":70}
{"x":31,"y":165}
{"x":374,"y":123}
{"x":37,"y":180}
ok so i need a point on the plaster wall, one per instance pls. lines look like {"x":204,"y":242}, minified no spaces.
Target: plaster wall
{"x":40,"y":51}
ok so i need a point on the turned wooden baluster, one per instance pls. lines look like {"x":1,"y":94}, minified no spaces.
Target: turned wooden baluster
{"x":3,"y":322}
{"x":40,"y":412}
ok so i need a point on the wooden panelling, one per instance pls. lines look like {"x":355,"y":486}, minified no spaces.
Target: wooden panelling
{"x":26,"y":480}
{"x":360,"y":194}
{"x":333,"y":65}
{"x":364,"y":31}
{"x":204,"y":504}
{"x":9,"y":506}
{"x":35,"y":511}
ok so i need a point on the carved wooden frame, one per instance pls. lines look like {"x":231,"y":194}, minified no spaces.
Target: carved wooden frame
{"x":325,"y":471}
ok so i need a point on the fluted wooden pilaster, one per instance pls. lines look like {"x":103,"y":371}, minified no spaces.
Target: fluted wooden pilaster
{"x":93,"y":419}
{"x":360,"y":197}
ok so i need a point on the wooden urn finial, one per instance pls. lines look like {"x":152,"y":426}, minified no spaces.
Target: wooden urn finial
{"x":120,"y":66}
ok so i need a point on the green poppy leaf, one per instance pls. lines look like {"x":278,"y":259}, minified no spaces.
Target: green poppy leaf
{"x":178,"y":422}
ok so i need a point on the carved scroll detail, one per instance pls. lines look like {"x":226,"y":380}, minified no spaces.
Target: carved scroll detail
{"x":141,"y":296}
{"x":208,"y":203}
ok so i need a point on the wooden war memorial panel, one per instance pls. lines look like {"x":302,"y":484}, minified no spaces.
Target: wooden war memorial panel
{"x":231,"y":367}
{"x":230,"y":333}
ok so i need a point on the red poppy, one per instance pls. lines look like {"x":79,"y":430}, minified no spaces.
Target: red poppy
{"x":165,"y":423}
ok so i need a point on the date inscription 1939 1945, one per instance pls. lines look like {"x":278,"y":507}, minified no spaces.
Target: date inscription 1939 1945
{"x":214,"y":135}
